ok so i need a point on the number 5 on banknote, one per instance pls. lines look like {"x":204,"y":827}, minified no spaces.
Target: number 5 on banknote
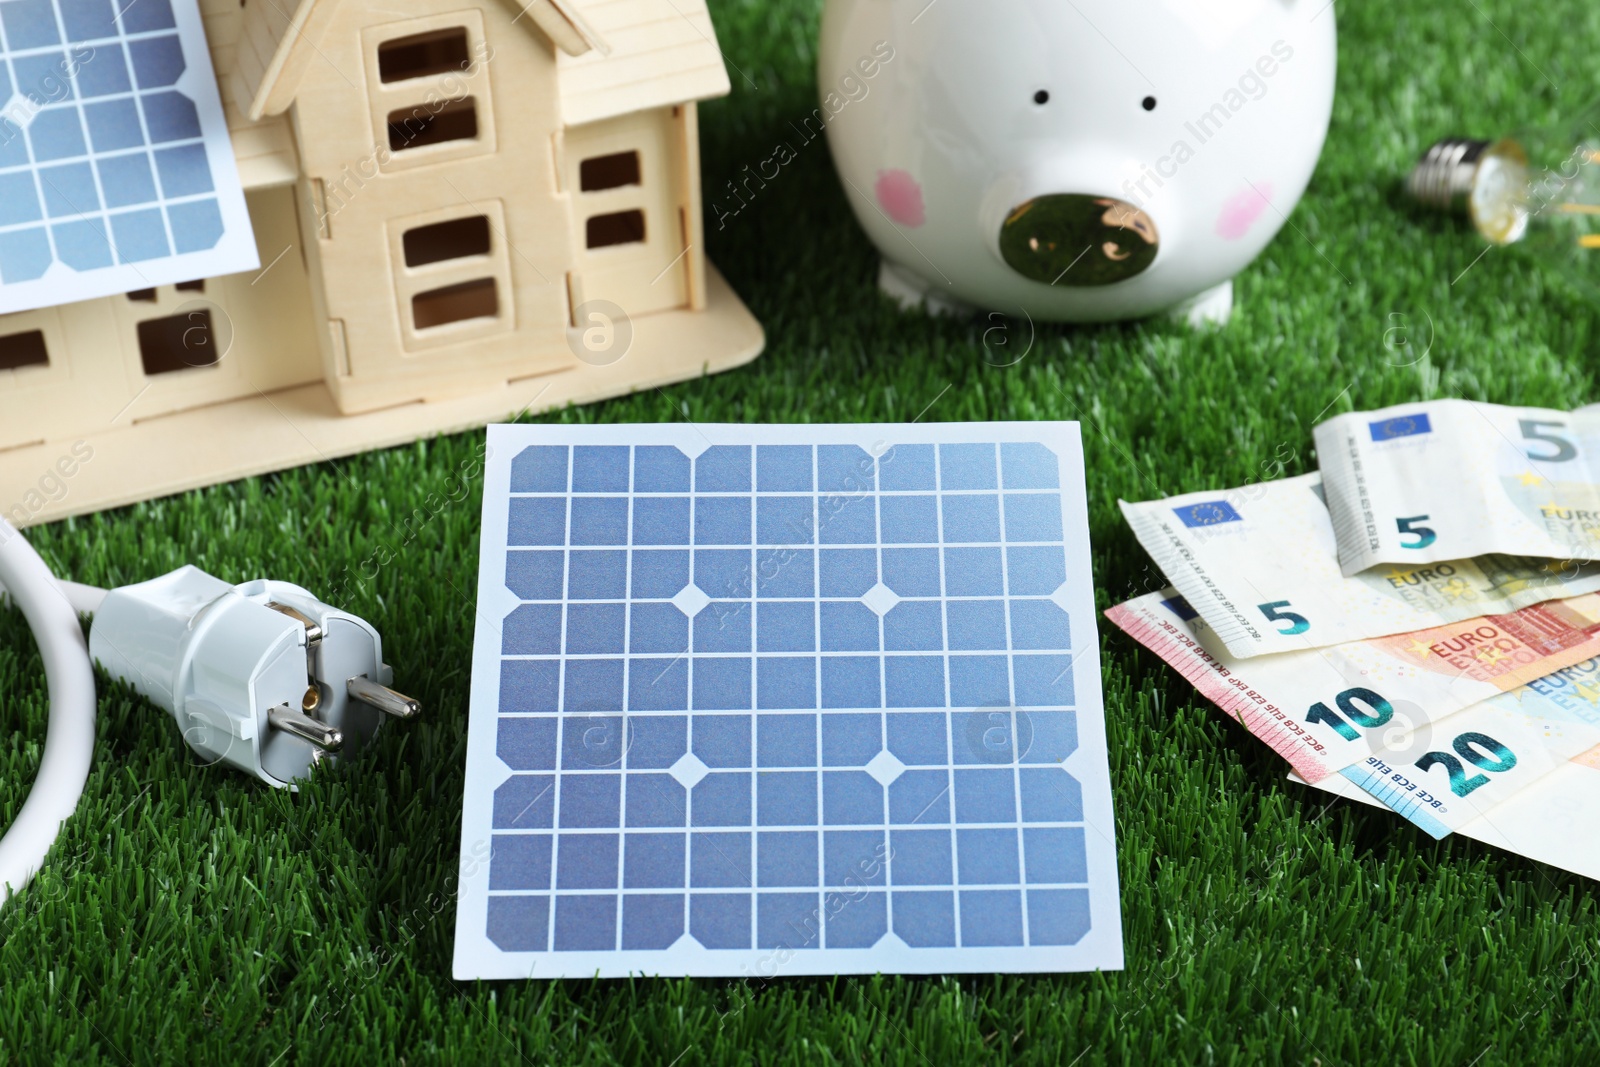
{"x":1276,"y":612}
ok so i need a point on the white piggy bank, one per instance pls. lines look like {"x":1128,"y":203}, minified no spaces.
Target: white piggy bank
{"x":1082,"y":161}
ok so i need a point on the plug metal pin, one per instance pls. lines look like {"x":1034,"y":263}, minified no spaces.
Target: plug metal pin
{"x":383,"y":698}
{"x":328,"y":738}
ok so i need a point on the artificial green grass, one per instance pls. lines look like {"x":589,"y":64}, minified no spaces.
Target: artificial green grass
{"x":188,"y":913}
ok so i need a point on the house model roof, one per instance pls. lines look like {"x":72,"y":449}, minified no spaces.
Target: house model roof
{"x":613,"y":57}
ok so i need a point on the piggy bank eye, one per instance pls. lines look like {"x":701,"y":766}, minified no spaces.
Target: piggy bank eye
{"x":1041,"y":97}
{"x":1149,"y":103}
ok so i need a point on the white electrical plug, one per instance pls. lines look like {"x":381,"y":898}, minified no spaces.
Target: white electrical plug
{"x":262,"y":676}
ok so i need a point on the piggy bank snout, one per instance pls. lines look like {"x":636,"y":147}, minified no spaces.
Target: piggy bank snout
{"x":1078,"y":239}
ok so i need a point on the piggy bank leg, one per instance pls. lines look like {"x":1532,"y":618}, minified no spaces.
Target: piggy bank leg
{"x":1214,"y":307}
{"x":911,"y":292}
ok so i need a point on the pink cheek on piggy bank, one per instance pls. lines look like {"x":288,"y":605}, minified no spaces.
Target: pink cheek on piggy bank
{"x":1242,"y":210}
{"x":900,"y":197}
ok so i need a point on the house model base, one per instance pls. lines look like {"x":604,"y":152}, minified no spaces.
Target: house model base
{"x":463,"y":209}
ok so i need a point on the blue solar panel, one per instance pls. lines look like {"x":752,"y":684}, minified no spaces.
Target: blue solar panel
{"x":801,"y":700}
{"x":116,"y":170}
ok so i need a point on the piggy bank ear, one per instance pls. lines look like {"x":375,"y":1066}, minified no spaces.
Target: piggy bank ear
{"x":900,"y":197}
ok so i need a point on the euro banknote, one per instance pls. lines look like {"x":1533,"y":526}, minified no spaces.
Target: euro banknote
{"x":1451,"y":479}
{"x":1327,"y":709}
{"x":1261,"y":566}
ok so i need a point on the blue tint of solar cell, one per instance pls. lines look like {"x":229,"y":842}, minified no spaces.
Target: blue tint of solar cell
{"x":599,"y":520}
{"x":991,"y":917}
{"x":585,"y":923}
{"x":987,"y":735}
{"x":540,"y":469}
{"x":786,"y":627}
{"x":529,"y":685}
{"x":69,"y":189}
{"x":656,"y":742}
{"x":1050,"y":794}
{"x":537,"y":520}
{"x":104,"y":75}
{"x":719,"y":860}
{"x":913,"y":681}
{"x":848,"y":626}
{"x":1043,"y":681}
{"x":783,"y":572}
{"x":787,"y":798}
{"x":114,"y":124}
{"x":907,"y":467}
{"x":87,"y":20}
{"x":19,"y":201}
{"x":722,"y":740}
{"x":595,"y":629}
{"x":598,"y":575}
{"x":169,"y":117}
{"x":525,"y":802}
{"x":850,"y":682}
{"x":196,"y":225}
{"x":592,"y":742}
{"x":723,"y":626}
{"x":653,"y":861}
{"x":1039,"y":624}
{"x":520,"y":861}
{"x":909,"y":520}
{"x":786,"y":858}
{"x":722,"y":520}
{"x":516,"y":924}
{"x":926,"y":919}
{"x":1033,"y":517}
{"x":1054,"y":735}
{"x":856,"y":920}
{"x":658,"y":684}
{"x":1029,"y":465}
{"x":979,"y":682}
{"x":786,"y":682}
{"x":82,"y":245}
{"x":721,"y":683}
{"x":723,"y":469}
{"x":985,"y":794}
{"x":661,"y":520}
{"x":29,"y":24}
{"x":13,"y":146}
{"x":788,"y":921}
{"x":917,"y":738}
{"x":914,"y":626}
{"x":846,"y":520}
{"x":659,"y":574}
{"x":535,"y":575}
{"x":591,"y":801}
{"x":987,"y":857}
{"x":656,"y":800}
{"x":851,"y":797}
{"x":657,"y":627}
{"x":845,"y":469}
{"x":587,"y":861}
{"x":183,"y":170}
{"x":920,"y":797}
{"x":528,"y":744}
{"x":847,"y":572}
{"x":723,"y":573}
{"x":973,"y":572}
{"x":853,"y":857}
{"x":721,"y":799}
{"x":157,"y":61}
{"x":783,"y":468}
{"x":651,"y":920}
{"x":147,"y":15}
{"x":660,"y":469}
{"x":1057,"y":916}
{"x":54,"y":133}
{"x":785,"y":520}
{"x":912,"y":571}
{"x":593,"y":685}
{"x":851,"y":740}
{"x":1054,"y":854}
{"x":964,"y":466}
{"x":41,"y":76}
{"x":973,"y":517}
{"x":720,"y":920}
{"x":786,"y":740}
{"x":921,"y":857}
{"x":600,"y":468}
{"x":976,"y":625}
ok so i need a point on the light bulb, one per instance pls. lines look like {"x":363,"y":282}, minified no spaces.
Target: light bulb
{"x":1539,"y":190}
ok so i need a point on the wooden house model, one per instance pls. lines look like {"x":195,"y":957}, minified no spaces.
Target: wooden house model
{"x":463,"y":209}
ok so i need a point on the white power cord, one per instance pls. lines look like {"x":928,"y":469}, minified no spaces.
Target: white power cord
{"x":261,"y":676}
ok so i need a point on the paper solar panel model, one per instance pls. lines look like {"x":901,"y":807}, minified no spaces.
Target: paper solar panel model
{"x":459,"y":213}
{"x":780,"y":700}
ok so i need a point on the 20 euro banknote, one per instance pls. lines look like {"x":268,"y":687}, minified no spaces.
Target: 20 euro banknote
{"x":1261,"y":566}
{"x":1450,"y":479}
{"x":1325,"y":709}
